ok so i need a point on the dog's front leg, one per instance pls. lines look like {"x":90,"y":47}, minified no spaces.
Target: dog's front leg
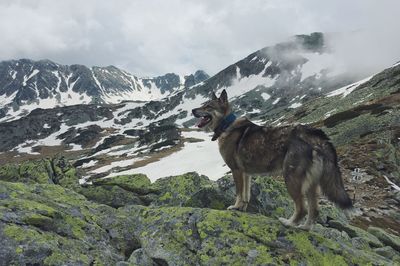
{"x":246,"y":191}
{"x":238,"y":177}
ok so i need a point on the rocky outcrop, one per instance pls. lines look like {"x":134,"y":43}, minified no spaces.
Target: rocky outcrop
{"x":47,"y":218}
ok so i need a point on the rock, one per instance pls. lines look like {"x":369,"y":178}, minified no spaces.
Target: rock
{"x":354,"y":232}
{"x":110,"y":195}
{"x":28,"y":172}
{"x":175,"y":235}
{"x":52,"y":225}
{"x":386,"y":238}
{"x":135,"y":183}
{"x":177,"y":190}
{"x":209,"y":197}
{"x":387,"y":252}
{"x":139,"y":257}
{"x":47,"y":224}
{"x":331,"y":233}
{"x":268,"y":196}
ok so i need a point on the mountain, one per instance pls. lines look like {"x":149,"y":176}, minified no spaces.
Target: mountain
{"x":111,"y":145}
{"x":273,"y":85}
{"x":26,"y":85}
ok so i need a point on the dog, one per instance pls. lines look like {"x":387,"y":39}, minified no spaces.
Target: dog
{"x":303,"y":154}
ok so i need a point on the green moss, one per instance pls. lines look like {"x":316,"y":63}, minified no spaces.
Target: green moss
{"x":167,"y":196}
{"x":68,"y":179}
{"x":177,"y":190}
{"x":57,"y":257}
{"x":135,"y":183}
{"x":37,"y":220}
{"x":23,"y":234}
{"x":76,"y":225}
{"x":218,"y":205}
{"x":9,"y":172}
{"x":28,"y":205}
{"x":27,"y":172}
{"x":19,"y":250}
{"x":312,"y":255}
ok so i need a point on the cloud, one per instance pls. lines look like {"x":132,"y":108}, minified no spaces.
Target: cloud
{"x":155,"y":37}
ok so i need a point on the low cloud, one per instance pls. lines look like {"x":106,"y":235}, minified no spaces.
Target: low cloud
{"x":155,"y":37}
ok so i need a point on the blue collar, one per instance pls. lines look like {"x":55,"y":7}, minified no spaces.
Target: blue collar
{"x":225,"y":123}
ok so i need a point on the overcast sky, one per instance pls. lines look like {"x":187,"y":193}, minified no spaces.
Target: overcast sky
{"x":153,"y":37}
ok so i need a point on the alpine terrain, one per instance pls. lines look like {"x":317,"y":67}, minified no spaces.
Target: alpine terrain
{"x":101,"y":167}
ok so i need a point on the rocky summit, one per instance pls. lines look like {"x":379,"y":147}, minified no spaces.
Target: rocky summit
{"x":47,"y":218}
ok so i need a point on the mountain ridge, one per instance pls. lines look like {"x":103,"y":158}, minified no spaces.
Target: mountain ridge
{"x":27,"y":84}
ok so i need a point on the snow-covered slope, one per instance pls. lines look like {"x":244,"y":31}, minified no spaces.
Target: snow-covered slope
{"x":26,"y":85}
{"x":201,"y":156}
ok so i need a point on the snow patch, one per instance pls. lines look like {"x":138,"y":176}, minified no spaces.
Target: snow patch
{"x":241,"y":85}
{"x":34,"y":72}
{"x":89,"y":164}
{"x":346,"y":90}
{"x":109,"y":167}
{"x":265,"y":96}
{"x":276,"y":101}
{"x":295,"y":105}
{"x":202,"y":157}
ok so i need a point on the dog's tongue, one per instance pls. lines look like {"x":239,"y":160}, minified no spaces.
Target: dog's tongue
{"x":202,"y":122}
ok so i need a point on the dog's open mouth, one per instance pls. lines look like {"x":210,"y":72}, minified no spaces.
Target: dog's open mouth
{"x":204,"y":120}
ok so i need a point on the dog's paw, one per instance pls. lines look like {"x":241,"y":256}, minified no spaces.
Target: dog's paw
{"x":233,"y":208}
{"x":286,"y":222}
{"x":238,"y":207}
{"x":305,"y":227}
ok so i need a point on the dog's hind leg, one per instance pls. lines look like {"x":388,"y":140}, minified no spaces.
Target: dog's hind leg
{"x":312,"y":202}
{"x":238,"y":177}
{"x":309,"y":188}
{"x":294,"y":189}
{"x":299,"y":213}
{"x":294,"y":172}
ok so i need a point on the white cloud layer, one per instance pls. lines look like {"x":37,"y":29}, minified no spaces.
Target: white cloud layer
{"x":158,"y":36}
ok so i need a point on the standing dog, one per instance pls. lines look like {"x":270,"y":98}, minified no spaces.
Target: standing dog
{"x":303,"y":154}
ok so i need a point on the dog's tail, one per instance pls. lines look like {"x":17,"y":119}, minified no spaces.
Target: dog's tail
{"x":331,"y":179}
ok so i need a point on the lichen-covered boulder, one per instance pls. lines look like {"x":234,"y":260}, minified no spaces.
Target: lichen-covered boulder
{"x":110,"y":195}
{"x":177,"y":190}
{"x":135,"y":183}
{"x":385,"y":237}
{"x":180,"y":236}
{"x":45,"y":224}
{"x":28,"y":172}
{"x":45,"y":171}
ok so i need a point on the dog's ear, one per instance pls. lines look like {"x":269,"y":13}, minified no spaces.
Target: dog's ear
{"x":213,"y":96}
{"x":223,"y":98}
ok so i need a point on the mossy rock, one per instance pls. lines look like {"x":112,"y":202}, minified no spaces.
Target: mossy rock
{"x":209,"y":197}
{"x":354,"y":231}
{"x":386,"y":238}
{"x":268,"y":195}
{"x":45,"y":171}
{"x":177,"y":190}
{"x":28,"y":172}
{"x":135,"y":183}
{"x":177,"y":235}
{"x":113,"y":196}
{"x":46,"y":224}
